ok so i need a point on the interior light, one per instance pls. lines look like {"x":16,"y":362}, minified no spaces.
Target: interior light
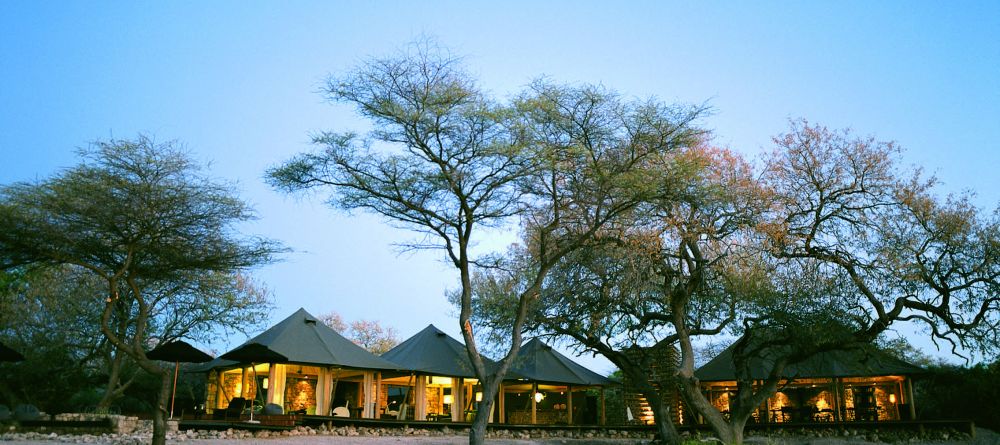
{"x":479,"y":397}
{"x":892,"y":398}
{"x":538,"y":397}
{"x":264,"y":383}
{"x":448,"y":399}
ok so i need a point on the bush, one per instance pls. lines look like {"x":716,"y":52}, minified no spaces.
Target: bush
{"x":953,"y":392}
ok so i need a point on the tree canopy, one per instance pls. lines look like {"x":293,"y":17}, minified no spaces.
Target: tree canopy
{"x":446,"y":160}
{"x":142,"y":218}
{"x":828,"y":245}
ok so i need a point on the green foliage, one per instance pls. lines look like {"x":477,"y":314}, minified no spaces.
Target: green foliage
{"x":141,"y":218}
{"x":953,"y":392}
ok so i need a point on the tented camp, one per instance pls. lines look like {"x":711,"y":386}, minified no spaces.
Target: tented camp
{"x":846,"y":385}
{"x":546,"y":387}
{"x":542,"y":386}
{"x":441,"y":383}
{"x":300,"y":365}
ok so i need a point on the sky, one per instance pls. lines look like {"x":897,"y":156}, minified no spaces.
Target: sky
{"x":237,"y":83}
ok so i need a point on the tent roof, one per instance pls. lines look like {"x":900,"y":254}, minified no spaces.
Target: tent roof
{"x":178,"y":351}
{"x":433,"y":352}
{"x":841,"y":363}
{"x":304,"y":339}
{"x":539,"y":362}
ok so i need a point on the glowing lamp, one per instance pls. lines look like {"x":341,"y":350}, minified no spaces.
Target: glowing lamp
{"x":448,"y":399}
{"x":538,"y":397}
{"x":264,"y":383}
{"x":892,"y":398}
{"x":479,"y":397}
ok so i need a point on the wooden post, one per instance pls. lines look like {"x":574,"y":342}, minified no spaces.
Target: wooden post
{"x":244,"y":384}
{"x":378,"y":388}
{"x":457,"y":405}
{"x":569,"y":404}
{"x":534,"y":404}
{"x":500,"y":404}
{"x":909,"y":398}
{"x":604,"y":419}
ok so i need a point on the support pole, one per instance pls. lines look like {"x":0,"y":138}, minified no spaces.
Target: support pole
{"x":500,"y":403}
{"x":534,"y":404}
{"x":569,"y":404}
{"x":378,"y":389}
{"x":244,"y":385}
{"x":457,"y":404}
{"x":910,"y":400}
{"x":177,"y":367}
{"x":604,"y":418}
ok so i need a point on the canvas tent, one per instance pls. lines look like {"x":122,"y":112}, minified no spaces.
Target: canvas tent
{"x":543,"y":385}
{"x":318,"y":360}
{"x":441,"y":375}
{"x":842,"y":385}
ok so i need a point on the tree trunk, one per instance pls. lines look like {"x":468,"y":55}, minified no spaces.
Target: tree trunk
{"x":160,"y":410}
{"x":725,"y":430}
{"x":664,"y":423}
{"x":111,"y":390}
{"x":477,"y":433}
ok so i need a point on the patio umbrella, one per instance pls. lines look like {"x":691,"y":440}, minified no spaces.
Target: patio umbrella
{"x":177,"y":351}
{"x":254,"y":353}
{"x":9,"y":355}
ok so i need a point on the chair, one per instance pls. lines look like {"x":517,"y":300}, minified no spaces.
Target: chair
{"x":233,"y":411}
{"x":341,"y":411}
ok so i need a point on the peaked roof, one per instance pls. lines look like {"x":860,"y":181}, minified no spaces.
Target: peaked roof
{"x":433,"y":352}
{"x":304,"y":339}
{"x":841,"y":363}
{"x":178,"y":351}
{"x":539,"y":362}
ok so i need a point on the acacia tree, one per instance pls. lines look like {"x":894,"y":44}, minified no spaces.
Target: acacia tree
{"x":450,"y":162}
{"x":854,"y":245}
{"x":137,"y":215}
{"x":833,"y":246}
{"x":676,"y":252}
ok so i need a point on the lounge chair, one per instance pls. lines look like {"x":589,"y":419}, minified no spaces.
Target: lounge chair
{"x":233,"y":411}
{"x":341,"y":411}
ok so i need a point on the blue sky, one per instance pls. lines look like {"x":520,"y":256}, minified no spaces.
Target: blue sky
{"x":236,"y":82}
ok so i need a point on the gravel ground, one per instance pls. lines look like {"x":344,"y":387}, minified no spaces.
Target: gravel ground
{"x":983,"y":437}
